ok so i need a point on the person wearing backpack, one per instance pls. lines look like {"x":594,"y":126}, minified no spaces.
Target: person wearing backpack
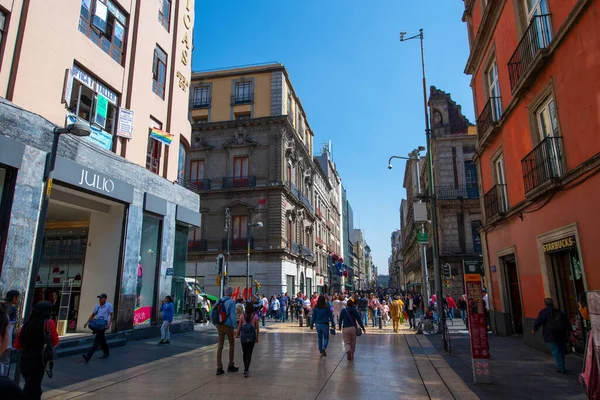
{"x":247,"y":331}
{"x":556,"y":331}
{"x":223,"y":317}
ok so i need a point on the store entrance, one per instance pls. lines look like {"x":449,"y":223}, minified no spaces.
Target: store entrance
{"x":82,"y":243}
{"x":514,"y":294}
{"x":568,"y":285}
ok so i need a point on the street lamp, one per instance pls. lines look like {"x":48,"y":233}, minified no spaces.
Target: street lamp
{"x":250,"y":226}
{"x":436,"y":258}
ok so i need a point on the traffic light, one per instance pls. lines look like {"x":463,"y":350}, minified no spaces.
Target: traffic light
{"x":447,"y":271}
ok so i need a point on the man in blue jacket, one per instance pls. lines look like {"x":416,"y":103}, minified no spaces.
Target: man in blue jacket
{"x":226,"y":329}
{"x":556,"y":331}
{"x":283,"y":301}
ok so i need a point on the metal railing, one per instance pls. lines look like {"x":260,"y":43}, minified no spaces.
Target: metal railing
{"x":239,"y":182}
{"x":237,"y":244}
{"x":307,"y":253}
{"x":449,"y":248}
{"x":306,"y":202}
{"x":544,"y":163}
{"x":198,"y":245}
{"x":195,"y":185}
{"x":496,"y":201}
{"x":489,"y":116}
{"x":452,"y":192}
{"x":293,"y":189}
{"x":202,"y":103}
{"x":247,"y":98}
{"x":293,"y":247}
{"x":537,"y":37}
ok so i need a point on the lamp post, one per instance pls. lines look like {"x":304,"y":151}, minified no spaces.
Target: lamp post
{"x":436,"y":258}
{"x":250,"y":226}
{"x":78,"y":128}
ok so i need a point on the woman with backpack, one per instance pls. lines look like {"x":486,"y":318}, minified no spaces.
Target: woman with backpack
{"x":31,"y":340}
{"x":349,"y":322}
{"x":247,"y":331}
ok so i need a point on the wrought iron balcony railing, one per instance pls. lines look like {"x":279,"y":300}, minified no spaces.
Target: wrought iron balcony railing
{"x":306,"y":202}
{"x":195,"y":185}
{"x":544,"y":163}
{"x":239,"y":182}
{"x":198,"y":245}
{"x":307,"y":253}
{"x":293,"y":189}
{"x":450,"y":248}
{"x":462,"y":191}
{"x":293,"y":247}
{"x":237,"y":244}
{"x":489,"y":116}
{"x":202,"y":103}
{"x":246,"y":98}
{"x":537,"y":37}
{"x":496,"y":201}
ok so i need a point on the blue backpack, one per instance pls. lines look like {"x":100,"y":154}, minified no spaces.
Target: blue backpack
{"x":248,"y":331}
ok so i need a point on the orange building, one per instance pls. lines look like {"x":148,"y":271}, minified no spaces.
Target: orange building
{"x":535,"y":69}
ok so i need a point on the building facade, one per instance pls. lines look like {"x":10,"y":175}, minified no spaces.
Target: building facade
{"x":252,"y":154}
{"x":116,"y":219}
{"x":396,"y":272}
{"x":537,"y":155}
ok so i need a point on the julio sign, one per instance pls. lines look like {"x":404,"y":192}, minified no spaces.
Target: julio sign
{"x":480,"y":350}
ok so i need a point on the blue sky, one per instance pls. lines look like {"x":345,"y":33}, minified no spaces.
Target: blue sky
{"x":360,"y":87}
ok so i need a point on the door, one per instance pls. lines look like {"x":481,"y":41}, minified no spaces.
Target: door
{"x":501,"y":182}
{"x":494,"y":91}
{"x":547,"y":120}
{"x":514,"y":296}
{"x":471,"y":180}
{"x":538,"y":12}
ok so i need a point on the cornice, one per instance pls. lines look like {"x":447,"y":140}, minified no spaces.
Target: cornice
{"x":490,"y":19}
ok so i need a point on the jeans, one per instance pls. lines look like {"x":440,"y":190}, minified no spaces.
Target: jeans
{"x":411,"y":318}
{"x":465,"y":316}
{"x":375,"y":314}
{"x":364,"y":317}
{"x":225,"y":330}
{"x":99,"y":341}
{"x":451,"y":313}
{"x":558,"y":351}
{"x":247,"y":349}
{"x":165,"y":330}
{"x":323,"y":333}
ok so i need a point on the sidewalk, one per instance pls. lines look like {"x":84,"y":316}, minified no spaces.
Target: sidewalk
{"x":518,"y":371}
{"x":286,"y":364}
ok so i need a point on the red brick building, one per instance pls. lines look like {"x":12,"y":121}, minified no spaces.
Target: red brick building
{"x":535,"y":67}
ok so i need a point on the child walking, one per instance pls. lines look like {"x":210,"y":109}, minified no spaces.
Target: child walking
{"x":167,"y":310}
{"x":247,"y":331}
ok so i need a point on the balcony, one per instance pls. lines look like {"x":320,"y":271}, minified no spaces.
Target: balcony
{"x":202,"y":103}
{"x":307,"y":253}
{"x":530,"y":51}
{"x":452,"y":248}
{"x":195,"y":185}
{"x":245,"y":98}
{"x":293,"y":189}
{"x":489,"y":117}
{"x":329,"y":224}
{"x":239,"y":182}
{"x":462,"y":191}
{"x":198,"y":245}
{"x":237,"y":244}
{"x":320,"y":241}
{"x":496,"y":201}
{"x":319,"y":212}
{"x":545,"y":163}
{"x":306,"y":202}
{"x":293,"y":247}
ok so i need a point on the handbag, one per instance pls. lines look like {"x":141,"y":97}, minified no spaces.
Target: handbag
{"x":358,"y":330}
{"x":98,"y":324}
{"x":48,"y":351}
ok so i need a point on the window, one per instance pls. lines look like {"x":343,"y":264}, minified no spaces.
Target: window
{"x":164,"y":13}
{"x":239,"y":231}
{"x":154,"y":149}
{"x":240,"y":167}
{"x":243,"y":92}
{"x":201,"y":120}
{"x":149,"y":263}
{"x":547,"y":119}
{"x":3,"y":24}
{"x":289,"y":107}
{"x":105,"y":24}
{"x":500,"y":176}
{"x":494,"y":90}
{"x":535,"y":7}
{"x":242,"y":116}
{"x":195,"y":234}
{"x":201,"y":97}
{"x":181,"y":162}
{"x":159,"y":72}
{"x":196,"y":170}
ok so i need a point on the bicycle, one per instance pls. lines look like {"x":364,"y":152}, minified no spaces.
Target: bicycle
{"x":428,"y":325}
{"x":446,"y":333}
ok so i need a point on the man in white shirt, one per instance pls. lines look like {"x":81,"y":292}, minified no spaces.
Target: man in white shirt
{"x":103,"y":313}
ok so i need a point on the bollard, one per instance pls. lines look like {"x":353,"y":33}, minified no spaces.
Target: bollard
{"x":380,"y":322}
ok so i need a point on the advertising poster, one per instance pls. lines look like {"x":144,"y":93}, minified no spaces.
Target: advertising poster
{"x":125,"y":126}
{"x":101,"y":111}
{"x":477,"y":329}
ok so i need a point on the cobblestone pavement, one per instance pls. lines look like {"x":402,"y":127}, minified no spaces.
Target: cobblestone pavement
{"x":286,"y":365}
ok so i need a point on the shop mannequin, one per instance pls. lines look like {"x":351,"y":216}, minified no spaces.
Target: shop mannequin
{"x":140,"y":275}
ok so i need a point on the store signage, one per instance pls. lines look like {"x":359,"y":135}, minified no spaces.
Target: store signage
{"x":187,"y":23}
{"x":125,"y":126}
{"x":320,"y":281}
{"x":75,"y":174}
{"x":106,"y":92}
{"x":423,"y":237}
{"x":101,"y":111}
{"x":559,"y":244}
{"x":142,"y":314}
{"x":97,"y":135}
{"x":480,"y":353}
{"x":473,"y":267}
{"x":83,"y":77}
{"x":68,"y":87}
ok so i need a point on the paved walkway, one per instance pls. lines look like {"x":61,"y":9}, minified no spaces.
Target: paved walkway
{"x":286,"y":365}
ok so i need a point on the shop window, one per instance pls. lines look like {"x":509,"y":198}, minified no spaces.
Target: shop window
{"x":105,"y":24}
{"x":159,"y":72}
{"x":83,"y":104}
{"x":178,"y":285}
{"x":164,"y":13}
{"x":146,"y":277}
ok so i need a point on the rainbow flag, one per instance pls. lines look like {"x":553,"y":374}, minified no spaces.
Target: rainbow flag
{"x":161,"y":136}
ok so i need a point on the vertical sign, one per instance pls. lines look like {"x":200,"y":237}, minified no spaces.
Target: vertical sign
{"x":125,"y":126}
{"x":101,"y":111}
{"x":477,"y":328}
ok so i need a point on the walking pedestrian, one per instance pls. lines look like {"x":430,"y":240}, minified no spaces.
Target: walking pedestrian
{"x":395,"y":311}
{"x":223,"y":316}
{"x":248,"y":326}
{"x":451,"y":306}
{"x":385,"y":313}
{"x":99,"y":322}
{"x":462,"y":305}
{"x":321,"y":317}
{"x":10,"y":306}
{"x":410,"y":311}
{"x":337,"y":308}
{"x":167,"y":310}
{"x":275,"y":306}
{"x":283,"y":304}
{"x":375,"y":307}
{"x":31,"y":340}
{"x":349,"y":322}
{"x":556,"y":331}
{"x":8,"y":387}
{"x":363,"y":307}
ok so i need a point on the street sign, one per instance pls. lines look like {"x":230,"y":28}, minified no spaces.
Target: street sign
{"x":423,"y":237}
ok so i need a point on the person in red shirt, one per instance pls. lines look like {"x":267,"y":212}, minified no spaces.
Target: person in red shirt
{"x":451,"y":306}
{"x":30,"y":341}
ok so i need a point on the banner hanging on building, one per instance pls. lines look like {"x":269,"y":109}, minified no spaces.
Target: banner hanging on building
{"x":161,"y":136}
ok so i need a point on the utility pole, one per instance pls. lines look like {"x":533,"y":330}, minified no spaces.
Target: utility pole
{"x":424,"y":272}
{"x":227,"y":227}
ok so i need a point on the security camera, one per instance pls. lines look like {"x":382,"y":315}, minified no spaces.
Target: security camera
{"x":402,"y":34}
{"x":421,"y":148}
{"x":389,"y":166}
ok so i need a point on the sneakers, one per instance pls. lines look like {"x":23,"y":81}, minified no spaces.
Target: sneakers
{"x":220,"y":371}
{"x":232,"y":368}
{"x":103,"y":356}
{"x":167,"y":342}
{"x":86,"y":358}
{"x":246,"y":374}
{"x":161,"y":342}
{"x":324,"y":353}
